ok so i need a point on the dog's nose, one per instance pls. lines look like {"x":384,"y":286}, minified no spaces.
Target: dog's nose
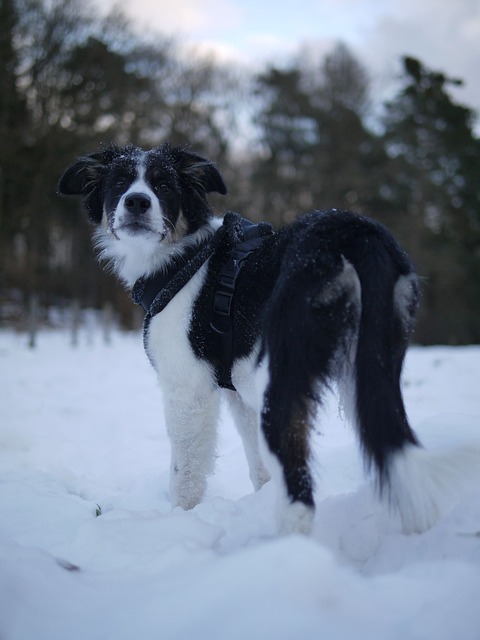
{"x":137,"y":203}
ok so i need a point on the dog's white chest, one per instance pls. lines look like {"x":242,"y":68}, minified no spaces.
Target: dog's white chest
{"x":167,"y":343}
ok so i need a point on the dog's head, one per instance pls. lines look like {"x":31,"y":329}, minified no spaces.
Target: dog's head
{"x":143,"y":202}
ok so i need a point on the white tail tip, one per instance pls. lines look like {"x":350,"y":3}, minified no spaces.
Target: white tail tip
{"x":424,"y":485}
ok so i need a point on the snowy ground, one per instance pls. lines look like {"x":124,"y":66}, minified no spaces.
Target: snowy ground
{"x":90,"y":549}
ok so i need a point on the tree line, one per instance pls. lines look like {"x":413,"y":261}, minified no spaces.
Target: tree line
{"x":296,"y":137}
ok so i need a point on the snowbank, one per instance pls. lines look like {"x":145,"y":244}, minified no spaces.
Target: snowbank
{"x":89,"y":546}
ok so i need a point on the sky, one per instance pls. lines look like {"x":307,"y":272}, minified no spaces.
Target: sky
{"x":443,"y":34}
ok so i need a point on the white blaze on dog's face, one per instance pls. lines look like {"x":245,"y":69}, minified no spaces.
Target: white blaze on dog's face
{"x":143,"y":202}
{"x":142,"y":197}
{"x":142,"y":211}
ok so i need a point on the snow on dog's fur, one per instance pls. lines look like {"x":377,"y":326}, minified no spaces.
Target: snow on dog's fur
{"x":330,"y":298}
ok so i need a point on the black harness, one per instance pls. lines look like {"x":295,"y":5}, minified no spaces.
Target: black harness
{"x":155,"y":292}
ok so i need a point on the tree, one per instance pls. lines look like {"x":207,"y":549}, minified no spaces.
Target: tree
{"x":72,"y":82}
{"x":317,"y":152}
{"x":435,"y":156}
{"x":287,"y":132}
{"x":12,"y":123}
{"x":349,"y":159}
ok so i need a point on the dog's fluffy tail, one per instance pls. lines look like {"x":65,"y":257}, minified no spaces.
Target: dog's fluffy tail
{"x":424,"y":485}
{"x":389,"y":298}
{"x":420,"y":483}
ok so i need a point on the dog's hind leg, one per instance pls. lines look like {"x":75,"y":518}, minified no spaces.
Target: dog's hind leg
{"x":246,"y":421}
{"x":285,"y":426}
{"x":309,"y":318}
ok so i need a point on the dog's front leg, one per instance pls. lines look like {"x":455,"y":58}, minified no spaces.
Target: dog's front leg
{"x":192,"y":429}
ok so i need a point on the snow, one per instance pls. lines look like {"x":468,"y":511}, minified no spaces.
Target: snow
{"x":90,"y":548}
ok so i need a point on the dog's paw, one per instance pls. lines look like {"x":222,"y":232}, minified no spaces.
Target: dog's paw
{"x":295,"y":518}
{"x":186,"y":495}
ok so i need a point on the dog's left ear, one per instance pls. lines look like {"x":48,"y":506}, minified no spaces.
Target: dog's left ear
{"x":199,"y":170}
{"x":83,"y":179}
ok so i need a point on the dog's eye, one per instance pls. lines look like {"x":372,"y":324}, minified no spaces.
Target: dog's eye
{"x":164,"y":187}
{"x":121,"y":182}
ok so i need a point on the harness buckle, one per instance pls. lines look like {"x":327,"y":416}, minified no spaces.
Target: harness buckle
{"x":227,"y":280}
{"x":222,"y":302}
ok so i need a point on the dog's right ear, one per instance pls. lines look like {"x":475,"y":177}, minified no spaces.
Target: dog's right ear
{"x":84,"y":178}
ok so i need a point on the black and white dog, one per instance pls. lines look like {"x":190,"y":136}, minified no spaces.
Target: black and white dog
{"x":270,"y":319}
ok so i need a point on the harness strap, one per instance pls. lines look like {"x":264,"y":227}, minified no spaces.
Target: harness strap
{"x":155,"y":292}
{"x":222,"y":321}
{"x":227,"y":279}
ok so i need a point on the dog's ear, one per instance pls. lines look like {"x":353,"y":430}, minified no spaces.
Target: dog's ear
{"x":83,"y":178}
{"x":199,"y":171}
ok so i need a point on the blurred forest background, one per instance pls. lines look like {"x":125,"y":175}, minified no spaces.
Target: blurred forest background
{"x":309,"y":135}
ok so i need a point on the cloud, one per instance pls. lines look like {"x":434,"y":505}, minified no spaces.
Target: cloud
{"x":186,"y":17}
{"x":444,"y":35}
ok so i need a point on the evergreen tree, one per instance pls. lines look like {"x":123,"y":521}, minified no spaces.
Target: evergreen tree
{"x":71,"y":81}
{"x":436,"y":156}
{"x":13,"y":121}
{"x":317,"y":152}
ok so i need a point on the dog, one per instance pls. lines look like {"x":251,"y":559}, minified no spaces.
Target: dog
{"x":268,"y":319}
